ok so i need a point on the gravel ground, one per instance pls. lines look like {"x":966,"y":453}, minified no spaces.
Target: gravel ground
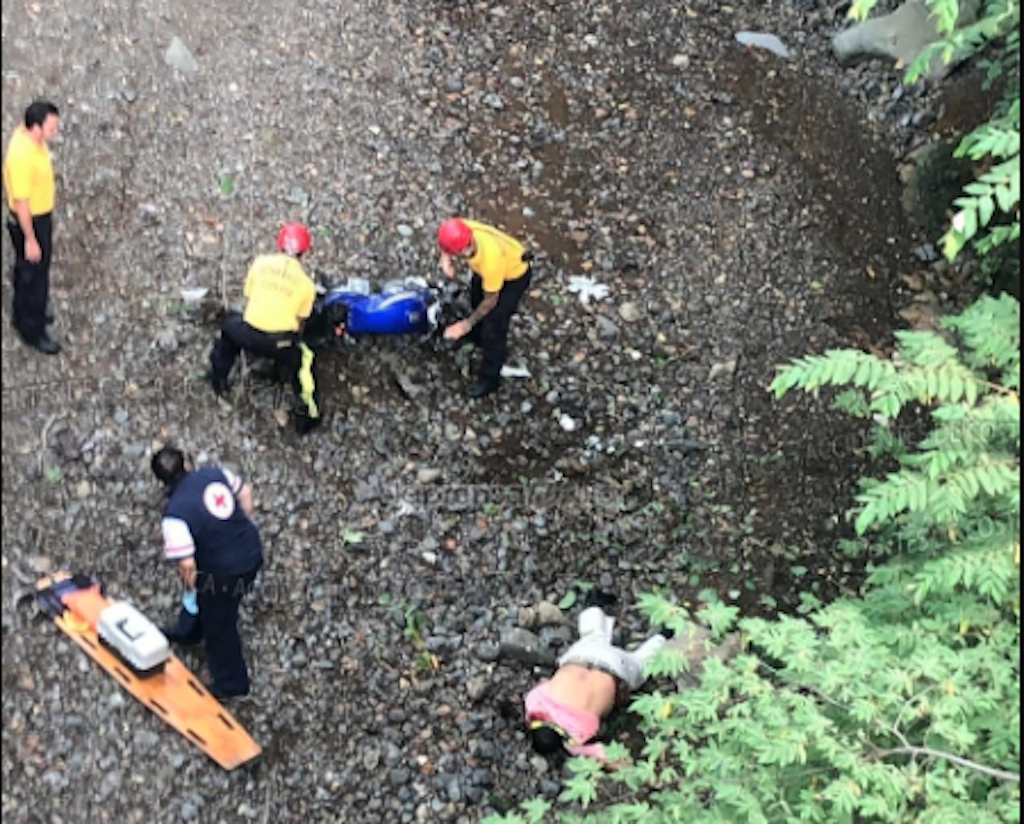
{"x":741,"y":210}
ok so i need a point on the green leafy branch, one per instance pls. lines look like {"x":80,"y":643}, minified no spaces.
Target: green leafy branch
{"x":989,"y":212}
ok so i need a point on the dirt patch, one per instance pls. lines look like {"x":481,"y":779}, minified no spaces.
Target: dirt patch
{"x":966,"y":101}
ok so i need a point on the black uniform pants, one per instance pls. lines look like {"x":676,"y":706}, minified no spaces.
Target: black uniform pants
{"x":287,"y":350}
{"x":216,"y":626}
{"x":492,"y":332}
{"x":31,"y":280}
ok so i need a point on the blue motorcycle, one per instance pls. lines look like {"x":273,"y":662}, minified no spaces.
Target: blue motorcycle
{"x":410,"y":307}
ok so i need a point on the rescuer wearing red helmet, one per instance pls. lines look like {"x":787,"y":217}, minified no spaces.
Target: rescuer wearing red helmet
{"x":501,"y":276}
{"x":279,"y":298}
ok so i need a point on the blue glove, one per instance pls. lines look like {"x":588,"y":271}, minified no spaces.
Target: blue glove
{"x":190,"y":601}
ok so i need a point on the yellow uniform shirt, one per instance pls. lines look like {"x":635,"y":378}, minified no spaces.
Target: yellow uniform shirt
{"x":28,"y":174}
{"x":498,"y":258}
{"x":279,"y":293}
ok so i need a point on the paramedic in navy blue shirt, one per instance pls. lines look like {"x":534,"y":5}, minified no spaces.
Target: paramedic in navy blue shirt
{"x":217,"y":548}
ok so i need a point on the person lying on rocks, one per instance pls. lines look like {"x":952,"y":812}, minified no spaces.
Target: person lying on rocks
{"x":594,"y":679}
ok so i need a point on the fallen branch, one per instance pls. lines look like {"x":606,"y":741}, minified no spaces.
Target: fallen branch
{"x":906,"y":747}
{"x":966,"y":763}
{"x":44,"y":440}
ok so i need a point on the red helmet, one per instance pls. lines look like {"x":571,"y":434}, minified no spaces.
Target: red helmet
{"x":294,"y":239}
{"x":454,"y":237}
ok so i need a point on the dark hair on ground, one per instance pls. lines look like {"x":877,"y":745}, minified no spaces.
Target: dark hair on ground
{"x":547,"y":742}
{"x":36,"y":114}
{"x":169,"y":465}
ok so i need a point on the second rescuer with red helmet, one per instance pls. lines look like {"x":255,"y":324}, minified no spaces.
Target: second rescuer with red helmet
{"x":279,"y":298}
{"x":501,"y":276}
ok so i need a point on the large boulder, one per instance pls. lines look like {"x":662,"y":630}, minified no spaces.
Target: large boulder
{"x":900,"y":36}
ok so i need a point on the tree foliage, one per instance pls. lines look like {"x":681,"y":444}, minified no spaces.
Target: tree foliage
{"x":988,"y":213}
{"x":966,"y":469}
{"x":902,"y":706}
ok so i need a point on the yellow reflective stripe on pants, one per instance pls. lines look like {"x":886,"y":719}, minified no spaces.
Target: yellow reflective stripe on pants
{"x":307,"y":382}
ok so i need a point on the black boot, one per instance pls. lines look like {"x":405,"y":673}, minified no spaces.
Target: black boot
{"x":46,"y":345}
{"x":304,"y":424}
{"x":483,"y":387}
{"x":222,"y":696}
{"x":219,"y":384}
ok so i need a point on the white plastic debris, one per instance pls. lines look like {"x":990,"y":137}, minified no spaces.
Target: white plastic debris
{"x":515,"y":372}
{"x":568,"y":423}
{"x":767,"y":42}
{"x":405,"y":509}
{"x":194,"y":295}
{"x":179,"y":57}
{"x":587,"y":289}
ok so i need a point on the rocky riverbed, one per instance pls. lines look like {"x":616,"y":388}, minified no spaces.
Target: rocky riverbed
{"x":741,"y":209}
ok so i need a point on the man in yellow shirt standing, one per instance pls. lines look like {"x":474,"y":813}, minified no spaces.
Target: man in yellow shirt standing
{"x":31,"y":195}
{"x":501,"y":276}
{"x":279,"y":298}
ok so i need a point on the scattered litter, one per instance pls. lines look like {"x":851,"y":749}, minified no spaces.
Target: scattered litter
{"x":588,"y":289}
{"x":767,"y":42}
{"x":515,"y":372}
{"x":568,"y":423}
{"x":427,"y":475}
{"x":179,"y":57}
{"x":194,"y":295}
{"x":405,"y":509}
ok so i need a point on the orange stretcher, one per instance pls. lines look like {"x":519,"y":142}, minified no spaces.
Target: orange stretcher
{"x":75,"y":603}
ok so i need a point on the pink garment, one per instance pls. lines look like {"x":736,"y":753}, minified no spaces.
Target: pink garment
{"x":580,"y":726}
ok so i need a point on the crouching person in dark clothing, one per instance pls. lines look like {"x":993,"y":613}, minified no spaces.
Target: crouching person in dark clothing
{"x":279,"y":299}
{"x":218,"y":551}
